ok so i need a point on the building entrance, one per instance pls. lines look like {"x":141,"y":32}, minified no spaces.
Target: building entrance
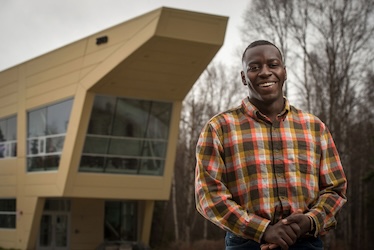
{"x":54,"y":226}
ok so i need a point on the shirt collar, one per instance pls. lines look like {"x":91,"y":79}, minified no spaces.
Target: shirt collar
{"x":253,"y":112}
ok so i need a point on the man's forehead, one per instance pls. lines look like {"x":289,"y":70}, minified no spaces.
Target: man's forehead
{"x":262,"y":50}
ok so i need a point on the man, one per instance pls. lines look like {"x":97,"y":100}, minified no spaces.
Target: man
{"x":268,"y":173}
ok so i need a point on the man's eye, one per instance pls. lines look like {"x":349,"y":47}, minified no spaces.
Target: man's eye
{"x":273,"y":65}
{"x":253,"y":68}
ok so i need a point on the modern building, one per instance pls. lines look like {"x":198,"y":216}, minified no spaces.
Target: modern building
{"x":88,"y":132}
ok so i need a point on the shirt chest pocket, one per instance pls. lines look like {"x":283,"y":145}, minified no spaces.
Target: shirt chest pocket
{"x":301,"y":157}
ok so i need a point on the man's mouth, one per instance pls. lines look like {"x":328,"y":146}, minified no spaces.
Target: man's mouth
{"x":266,"y":84}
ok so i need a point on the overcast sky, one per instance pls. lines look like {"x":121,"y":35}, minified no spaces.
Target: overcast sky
{"x":29,"y":28}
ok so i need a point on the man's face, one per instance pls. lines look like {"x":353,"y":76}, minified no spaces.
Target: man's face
{"x":264,"y":73}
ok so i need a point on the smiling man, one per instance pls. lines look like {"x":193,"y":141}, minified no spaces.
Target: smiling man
{"x":268,"y":173}
{"x":264,"y":74}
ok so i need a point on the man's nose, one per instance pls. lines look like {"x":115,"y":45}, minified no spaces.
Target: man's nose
{"x":265,"y":71}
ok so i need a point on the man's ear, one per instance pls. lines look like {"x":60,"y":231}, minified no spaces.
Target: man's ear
{"x":243,"y":78}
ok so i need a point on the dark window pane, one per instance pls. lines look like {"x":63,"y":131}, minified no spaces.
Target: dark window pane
{"x":45,"y":238}
{"x":92,"y":163}
{"x":7,"y":221}
{"x":3,"y":130}
{"x":151,"y":167}
{"x":51,"y":162}
{"x":158,"y":126}
{"x":122,"y":165}
{"x":57,"y":205}
{"x":96,"y":145}
{"x":35,"y":163}
{"x":61,"y":229}
{"x":153,"y":148}
{"x":2,"y":149}
{"x":42,"y":163}
{"x":35,"y":146}
{"x":120,"y":221}
{"x":8,"y":137}
{"x":125,"y":147}
{"x":37,"y":123}
{"x":8,"y":213}
{"x":102,"y":115}
{"x":7,"y":205}
{"x":11,"y":129}
{"x":58,"y":117}
{"x":54,"y":144}
{"x":125,"y":123}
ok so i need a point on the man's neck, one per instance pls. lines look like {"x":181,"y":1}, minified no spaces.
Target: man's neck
{"x":271,"y":110}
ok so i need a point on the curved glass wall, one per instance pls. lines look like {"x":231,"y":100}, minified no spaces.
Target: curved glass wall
{"x":126,"y":136}
{"x":46,"y":135}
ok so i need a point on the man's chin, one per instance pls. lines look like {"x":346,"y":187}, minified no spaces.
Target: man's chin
{"x":271,"y":98}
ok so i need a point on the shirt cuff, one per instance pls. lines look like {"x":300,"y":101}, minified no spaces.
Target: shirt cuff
{"x":314,"y":231}
{"x":257,"y":229}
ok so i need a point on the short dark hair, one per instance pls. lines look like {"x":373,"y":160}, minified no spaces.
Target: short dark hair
{"x":261,"y":42}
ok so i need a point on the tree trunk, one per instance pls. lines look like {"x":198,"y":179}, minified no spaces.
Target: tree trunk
{"x":175,"y":210}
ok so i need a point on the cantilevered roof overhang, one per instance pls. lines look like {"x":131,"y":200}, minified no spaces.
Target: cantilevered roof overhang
{"x":156,"y":56}
{"x":160,"y":55}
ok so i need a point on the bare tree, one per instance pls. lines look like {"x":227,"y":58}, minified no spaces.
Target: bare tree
{"x":336,"y":63}
{"x":277,"y":15}
{"x":215,"y":91}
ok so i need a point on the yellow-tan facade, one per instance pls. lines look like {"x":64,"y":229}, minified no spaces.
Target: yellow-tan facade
{"x":89,"y":131}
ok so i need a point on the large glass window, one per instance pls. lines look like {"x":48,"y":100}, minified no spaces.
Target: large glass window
{"x":8,"y":213}
{"x":126,"y":136}
{"x":46,"y":135}
{"x":8,"y":137}
{"x":120,"y":221}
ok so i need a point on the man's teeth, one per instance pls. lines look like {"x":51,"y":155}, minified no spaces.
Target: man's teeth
{"x":267,"y":84}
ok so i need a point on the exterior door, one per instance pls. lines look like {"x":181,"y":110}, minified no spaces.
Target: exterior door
{"x":54,"y":231}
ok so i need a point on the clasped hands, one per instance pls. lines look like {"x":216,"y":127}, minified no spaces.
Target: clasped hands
{"x":285,"y":232}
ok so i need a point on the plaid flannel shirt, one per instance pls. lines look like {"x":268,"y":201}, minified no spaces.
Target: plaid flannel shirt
{"x":251,"y":172}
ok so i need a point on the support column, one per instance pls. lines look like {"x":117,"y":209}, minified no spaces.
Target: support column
{"x":147,"y":221}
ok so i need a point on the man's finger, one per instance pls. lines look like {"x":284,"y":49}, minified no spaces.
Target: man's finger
{"x":265,"y":246}
{"x":295,"y":228}
{"x":268,"y":246}
{"x":273,"y":246}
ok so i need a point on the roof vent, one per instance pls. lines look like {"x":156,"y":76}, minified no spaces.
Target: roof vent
{"x":101,"y":40}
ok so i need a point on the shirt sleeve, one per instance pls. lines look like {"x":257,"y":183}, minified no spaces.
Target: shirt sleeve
{"x":332,"y":186}
{"x":213,"y":198}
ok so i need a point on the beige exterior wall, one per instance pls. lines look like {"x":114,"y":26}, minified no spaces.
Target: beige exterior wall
{"x":87,"y":222}
{"x":156,"y":56}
